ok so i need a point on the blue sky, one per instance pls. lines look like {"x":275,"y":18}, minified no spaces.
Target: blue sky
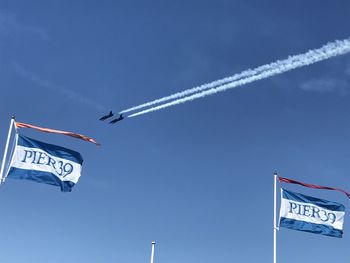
{"x":197,"y":178}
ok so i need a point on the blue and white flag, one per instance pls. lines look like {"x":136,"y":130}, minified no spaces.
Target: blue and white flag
{"x":45,"y":163}
{"x":310,"y":214}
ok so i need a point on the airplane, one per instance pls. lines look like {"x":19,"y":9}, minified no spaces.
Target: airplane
{"x":117,"y":119}
{"x":110,"y":114}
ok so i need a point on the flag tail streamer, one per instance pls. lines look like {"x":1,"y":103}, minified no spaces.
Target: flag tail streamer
{"x":71,"y":134}
{"x":290,"y":181}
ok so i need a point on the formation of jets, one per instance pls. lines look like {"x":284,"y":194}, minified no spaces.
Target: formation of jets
{"x":111,"y":114}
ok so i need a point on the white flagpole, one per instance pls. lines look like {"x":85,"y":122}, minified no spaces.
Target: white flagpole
{"x":6,"y":149}
{"x":274,"y":216}
{"x":152,"y":252}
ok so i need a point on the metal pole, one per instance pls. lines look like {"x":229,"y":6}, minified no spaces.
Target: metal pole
{"x":274,"y":217}
{"x":152,"y":252}
{"x":6,"y":149}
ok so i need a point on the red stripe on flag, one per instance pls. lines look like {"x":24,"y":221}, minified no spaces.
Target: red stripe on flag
{"x":71,"y":134}
{"x":290,"y":181}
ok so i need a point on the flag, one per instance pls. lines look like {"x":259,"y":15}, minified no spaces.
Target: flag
{"x":310,"y":214}
{"x":45,"y":163}
{"x":68,"y":133}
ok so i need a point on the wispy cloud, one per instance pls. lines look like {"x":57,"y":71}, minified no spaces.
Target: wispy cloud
{"x":327,"y":85}
{"x":45,"y":84}
{"x":9,"y":25}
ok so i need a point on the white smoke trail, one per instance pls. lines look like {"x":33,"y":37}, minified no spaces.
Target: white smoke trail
{"x":330,"y":50}
{"x":243,"y":74}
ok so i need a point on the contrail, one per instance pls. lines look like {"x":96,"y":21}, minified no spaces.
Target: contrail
{"x":243,"y":74}
{"x":43,"y":83}
{"x":329,"y":50}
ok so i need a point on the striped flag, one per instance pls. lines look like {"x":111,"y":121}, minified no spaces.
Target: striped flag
{"x":310,"y":214}
{"x":71,"y":134}
{"x":45,"y":163}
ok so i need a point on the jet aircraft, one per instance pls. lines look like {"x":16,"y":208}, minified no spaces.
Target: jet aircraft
{"x":117,"y":119}
{"x":110,"y":114}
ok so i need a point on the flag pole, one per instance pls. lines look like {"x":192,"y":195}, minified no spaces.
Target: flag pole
{"x":274,"y":216}
{"x":152,"y":252}
{"x":6,"y":149}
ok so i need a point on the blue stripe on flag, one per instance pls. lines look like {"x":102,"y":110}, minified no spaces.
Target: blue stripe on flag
{"x":41,"y":177}
{"x":316,"y":201}
{"x":310,"y":227}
